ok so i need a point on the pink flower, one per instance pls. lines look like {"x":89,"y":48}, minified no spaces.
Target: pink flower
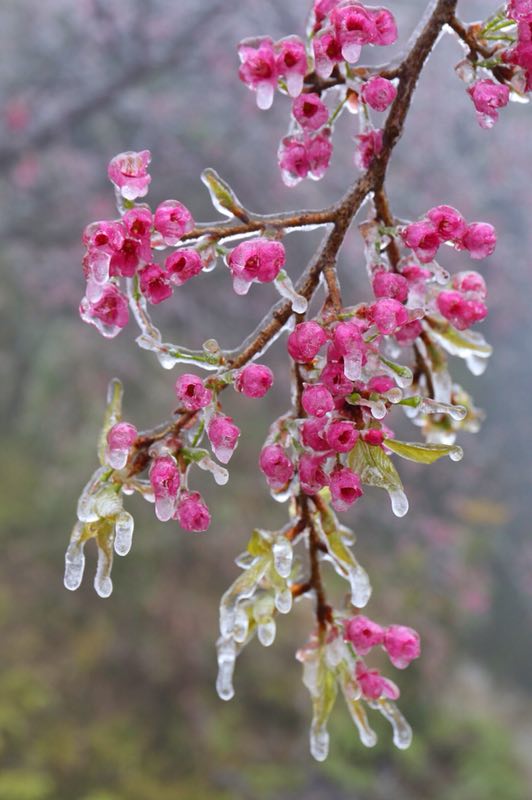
{"x":313,"y":434}
{"x":103,"y":236}
{"x":369,"y":145}
{"x":342,"y":436}
{"x":409,"y":333}
{"x":402,"y":645}
{"x":316,"y":400}
{"x":259,"y":70}
{"x":183,"y":265}
{"x":322,"y":8}
{"x":305,"y":341}
{"x":119,"y":440}
{"x":347,"y":339}
{"x":373,"y":685}
{"x":292,"y":63}
{"x":424,"y":239}
{"x":129,"y":173}
{"x":390,"y":284}
{"x":138,"y":222}
{"x":449,"y":223}
{"x":304,"y":156}
{"x":172,"y":219}
{"x":108,"y":313}
{"x":470,"y":281}
{"x":223,"y":435}
{"x":191,"y":392}
{"x":521,"y":55}
{"x":310,"y":111}
{"x":154,"y":284}
{"x":378,"y":93}
{"x":520,"y":10}
{"x":460,"y":311}
{"x":192,"y":512}
{"x":385,"y":27}
{"x":276,"y":466}
{"x":488,"y":97}
{"x":254,"y":380}
{"x":480,"y":239}
{"x":363,"y":633}
{"x":381,"y":384}
{"x":327,"y":52}
{"x":124,"y":261}
{"x":165,"y":481}
{"x":345,"y":488}
{"x":354,"y":27}
{"x":388,"y":315}
{"x":311,"y":475}
{"x":319,"y":151}
{"x":259,"y":260}
{"x":373,"y":436}
{"x":333,"y":377}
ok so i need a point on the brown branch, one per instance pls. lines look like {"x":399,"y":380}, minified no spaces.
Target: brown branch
{"x":469,"y":38}
{"x":384,"y":214}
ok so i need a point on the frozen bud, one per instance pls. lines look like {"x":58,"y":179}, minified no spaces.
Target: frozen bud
{"x":154,"y":283}
{"x":347,"y":339}
{"x":334,"y":378}
{"x":291,"y":63}
{"x":368,"y":146}
{"x":165,"y":481}
{"x":223,"y":435}
{"x":258,"y":260}
{"x":385,"y":27}
{"x":311,"y":475}
{"x":254,"y":380}
{"x":363,"y":633}
{"x":327,"y":52}
{"x":415,"y":274}
{"x":345,"y":488}
{"x":129,"y":173}
{"x":423,"y":238}
{"x":322,"y":8}
{"x":139,"y":222}
{"x":488,"y":97}
{"x":258,"y":69}
{"x":310,"y":111}
{"x":319,"y":150}
{"x":109,"y":313}
{"x":192,"y":512}
{"x":313,"y":434}
{"x":402,"y":645}
{"x":172,"y":219}
{"x":124,"y":261}
{"x":520,"y":10}
{"x":381,"y":384}
{"x":373,"y":436}
{"x":105,"y":237}
{"x":449,"y":223}
{"x":388,"y":315}
{"x":470,"y":281}
{"x":342,"y":436}
{"x":409,"y":333}
{"x":276,"y":466}
{"x":305,"y":341}
{"x":373,"y":685}
{"x":316,"y":400}
{"x":378,"y":93}
{"x":183,"y":265}
{"x":390,"y":284}
{"x":354,"y":27}
{"x":480,"y":239}
{"x":191,"y":392}
{"x":304,"y":156}
{"x":119,"y":439}
{"x":460,"y":311}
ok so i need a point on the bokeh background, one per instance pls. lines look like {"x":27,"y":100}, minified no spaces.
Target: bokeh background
{"x":114,"y":699}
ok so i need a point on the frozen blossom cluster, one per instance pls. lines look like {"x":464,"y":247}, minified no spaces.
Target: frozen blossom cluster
{"x":356,"y":365}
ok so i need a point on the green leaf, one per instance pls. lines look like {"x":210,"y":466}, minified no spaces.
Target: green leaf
{"x":423,"y":453}
{"x":461,"y":343}
{"x":112,"y":415}
{"x":222,"y":196}
{"x":374,"y":467}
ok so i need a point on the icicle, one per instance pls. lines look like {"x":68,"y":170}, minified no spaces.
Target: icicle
{"x":226,"y":650}
{"x":220,"y":474}
{"x":86,"y":504}
{"x":102,"y":580}
{"x":402,"y":732}
{"x":429,"y":406}
{"x":456,"y":453}
{"x":286,"y":289}
{"x":402,"y":375}
{"x":283,"y":601}
{"x":241,"y":589}
{"x":399,"y":502}
{"x":353,"y":366}
{"x":165,"y":507}
{"x":368,"y":737}
{"x":124,"y":526}
{"x":360,"y":586}
{"x":283,"y":555}
{"x":319,"y":741}
{"x":263,"y":614}
{"x":74,"y":558}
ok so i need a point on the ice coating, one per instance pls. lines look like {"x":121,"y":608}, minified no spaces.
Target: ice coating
{"x":242,"y":589}
{"x":86,"y":510}
{"x":399,"y":502}
{"x":319,"y":741}
{"x":360,"y":586}
{"x":226,"y":653}
{"x":285,"y":287}
{"x":283,"y":555}
{"x":102,"y":579}
{"x":108,"y":502}
{"x":75,"y":559}
{"x":219,"y":473}
{"x":283,"y":601}
{"x":402,"y":732}
{"x":266,"y":631}
{"x":124,"y":526}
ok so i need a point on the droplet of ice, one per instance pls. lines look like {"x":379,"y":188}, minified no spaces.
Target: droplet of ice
{"x":402,"y":732}
{"x":399,"y":502}
{"x":283,"y":601}
{"x":117,"y":459}
{"x":360,"y":586}
{"x":266,"y":631}
{"x":166,"y":360}
{"x":319,"y":742}
{"x":164,"y":508}
{"x":456,"y":454}
{"x":283,"y":555}
{"x":124,"y":526}
{"x":286,"y":289}
{"x":102,"y":580}
{"x":226,"y":664}
{"x":74,"y":559}
{"x":353,"y":366}
{"x":241,"y":625}
{"x":220,"y":474}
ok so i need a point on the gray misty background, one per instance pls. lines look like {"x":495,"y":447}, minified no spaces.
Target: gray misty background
{"x":115,"y":700}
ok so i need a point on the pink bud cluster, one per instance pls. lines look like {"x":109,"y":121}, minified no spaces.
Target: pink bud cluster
{"x":445,"y":225}
{"x":265,"y":63}
{"x":520,"y":55}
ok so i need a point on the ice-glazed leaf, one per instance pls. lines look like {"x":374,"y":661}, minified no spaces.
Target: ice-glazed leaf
{"x":322,"y":704}
{"x":345,"y":563}
{"x":241,"y":589}
{"x":222,"y":196}
{"x":351,"y":694}
{"x":461,"y":343}
{"x":260,"y":543}
{"x":376,"y":469}
{"x":402,"y":732}
{"x":112,"y":415}
{"x":423,"y":453}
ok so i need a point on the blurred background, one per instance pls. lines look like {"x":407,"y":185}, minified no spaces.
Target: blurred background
{"x":114,"y":699}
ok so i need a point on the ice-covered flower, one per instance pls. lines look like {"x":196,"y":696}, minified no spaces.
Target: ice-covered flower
{"x":305,"y":341}
{"x":423,"y":238}
{"x":223,"y":435}
{"x":254,"y":380}
{"x":345,"y":488}
{"x":129,"y":173}
{"x":259,"y":69}
{"x":276,"y":466}
{"x":109,"y":313}
{"x":310,"y":111}
{"x":378,"y":93}
{"x":172,"y":219}
{"x":363,"y":633}
{"x":402,"y":645}
{"x":316,"y":400}
{"x":192,"y":512}
{"x":182,"y":265}
{"x":488,"y":97}
{"x":480,"y":239}
{"x":259,"y":260}
{"x":374,"y":685}
{"x":368,"y":147}
{"x":154,"y":283}
{"x":291,"y":62}
{"x":192,"y":393}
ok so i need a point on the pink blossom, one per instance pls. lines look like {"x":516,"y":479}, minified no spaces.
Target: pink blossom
{"x":373,"y":436}
{"x":319,"y":151}
{"x":192,"y":512}
{"x":305,"y":341}
{"x":409,"y":333}
{"x":369,"y":145}
{"x":327,"y":52}
{"x":254,"y":380}
{"x":460,"y":311}
{"x":378,"y":93}
{"x":521,"y":56}
{"x":257,"y":260}
{"x":276,"y":466}
{"x":124,"y":262}
{"x":470,"y":281}
{"x":108,"y":313}
{"x":165,"y":481}
{"x":154,"y":284}
{"x":322,"y":8}
{"x":310,"y":111}
{"x":449,"y":223}
{"x":139,"y":222}
{"x":363,"y":633}
{"x":345,"y":488}
{"x":333,"y":377}
{"x":311,"y":475}
{"x":402,"y":645}
{"x":259,"y":70}
{"x":316,"y":400}
{"x":304,"y":156}
{"x":480,"y":239}
{"x":347,"y":339}
{"x":385,"y":27}
{"x":423,"y":238}
{"x":380,"y":384}
{"x":105,"y":237}
{"x":373,"y":685}
{"x":313,"y":434}
{"x":342,"y":436}
{"x":354,"y":26}
{"x":415,"y":274}
{"x":520,"y":10}
{"x":191,"y":392}
{"x":390,"y":284}
{"x":488,"y":97}
{"x":292,"y":63}
{"x":129,"y":173}
{"x":388,"y":315}
{"x":223,"y":435}
{"x":172,"y":219}
{"x":121,"y":436}
{"x":182,"y":265}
